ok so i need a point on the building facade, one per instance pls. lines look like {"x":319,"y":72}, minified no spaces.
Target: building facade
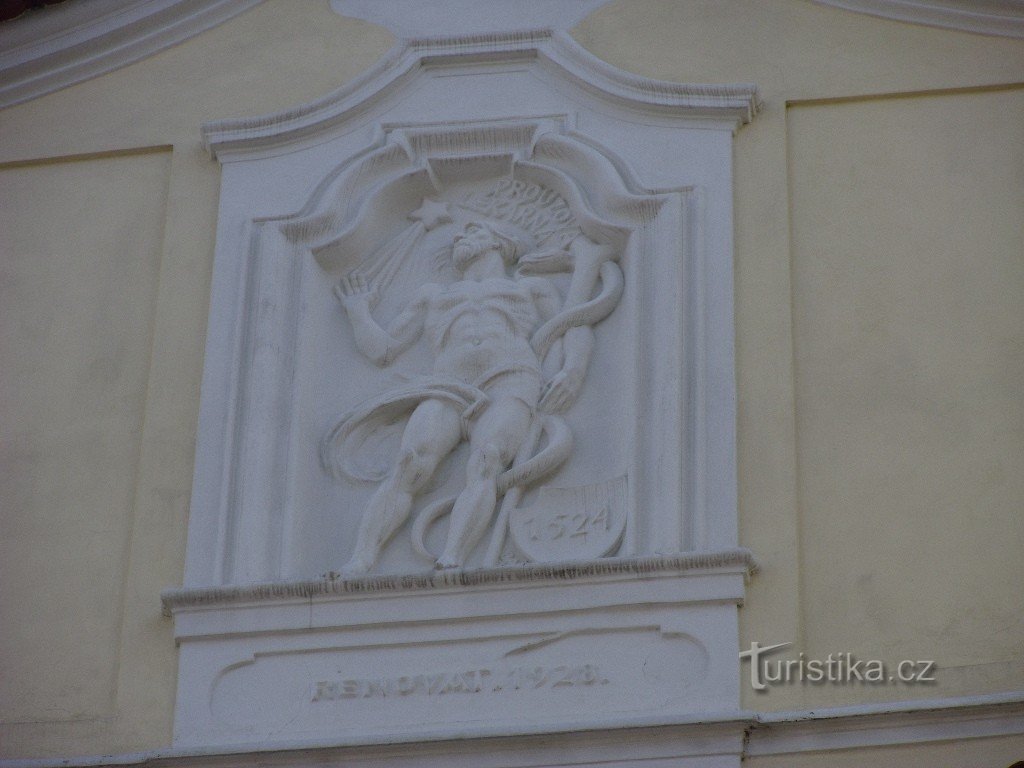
{"x":836,"y":379}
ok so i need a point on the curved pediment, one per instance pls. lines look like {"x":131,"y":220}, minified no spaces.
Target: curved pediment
{"x":414,"y":162}
{"x":551,"y":56}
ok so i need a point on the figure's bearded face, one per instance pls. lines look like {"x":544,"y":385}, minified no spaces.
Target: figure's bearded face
{"x":474,"y":241}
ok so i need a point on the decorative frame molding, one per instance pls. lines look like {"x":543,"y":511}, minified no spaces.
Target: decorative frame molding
{"x":885,"y":725}
{"x":245,"y":138}
{"x":762,"y":734}
{"x":308,"y":195}
{"x":411,"y":149}
{"x":556,"y":57}
{"x":70,"y":43}
{"x":333,"y":586}
{"x":959,"y":15}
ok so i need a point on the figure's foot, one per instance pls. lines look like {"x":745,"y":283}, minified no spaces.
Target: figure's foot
{"x":446,"y":563}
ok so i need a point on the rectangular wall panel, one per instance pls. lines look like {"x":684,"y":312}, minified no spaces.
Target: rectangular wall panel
{"x":908,"y":262}
{"x":80,"y":245}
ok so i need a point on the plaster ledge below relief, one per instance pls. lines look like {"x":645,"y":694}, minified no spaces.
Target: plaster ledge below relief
{"x":333,"y":585}
{"x":767,"y":734}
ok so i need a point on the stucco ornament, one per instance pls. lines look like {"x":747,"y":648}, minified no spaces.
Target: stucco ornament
{"x":494,"y":329}
{"x":475,"y":311}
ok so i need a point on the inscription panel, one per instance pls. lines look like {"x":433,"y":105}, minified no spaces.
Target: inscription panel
{"x":585,"y":671}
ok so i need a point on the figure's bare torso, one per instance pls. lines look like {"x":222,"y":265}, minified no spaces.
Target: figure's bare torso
{"x":479,"y":326}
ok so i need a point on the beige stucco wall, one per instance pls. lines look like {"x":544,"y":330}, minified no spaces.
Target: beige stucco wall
{"x":879,"y":265}
{"x":880,"y":344}
{"x":95,"y":527}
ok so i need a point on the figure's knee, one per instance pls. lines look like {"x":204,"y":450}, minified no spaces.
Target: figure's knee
{"x":416,"y":465}
{"x":486,"y":461}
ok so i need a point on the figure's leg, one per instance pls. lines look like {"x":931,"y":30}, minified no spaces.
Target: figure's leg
{"x":434,"y":429}
{"x":494,"y":441}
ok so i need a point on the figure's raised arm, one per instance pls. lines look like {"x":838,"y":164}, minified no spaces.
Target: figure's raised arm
{"x":578,"y":341}
{"x":380,"y":345}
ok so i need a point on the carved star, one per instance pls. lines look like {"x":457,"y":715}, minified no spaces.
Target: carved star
{"x":432,"y":213}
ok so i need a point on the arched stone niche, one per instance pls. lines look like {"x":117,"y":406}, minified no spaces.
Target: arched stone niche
{"x":538,"y":248}
{"x":363,"y":217}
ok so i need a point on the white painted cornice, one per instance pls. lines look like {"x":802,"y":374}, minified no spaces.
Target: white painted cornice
{"x":897,"y":723}
{"x":68,"y":43}
{"x":554,"y":50}
{"x":1002,"y":18}
{"x":776,"y":733}
{"x":740,"y":560}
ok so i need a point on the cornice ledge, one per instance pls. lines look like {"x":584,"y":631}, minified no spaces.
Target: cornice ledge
{"x":91,"y":44}
{"x":736,"y":103}
{"x":775,"y":733}
{"x":332,"y":584}
{"x":881,"y":724}
{"x":959,"y":15}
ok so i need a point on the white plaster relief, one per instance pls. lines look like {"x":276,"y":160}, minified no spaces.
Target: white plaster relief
{"x":490,"y":333}
{"x":470,"y":361}
{"x":506,"y":388}
{"x":593,"y":669}
{"x":176,"y":600}
{"x":373,"y":664}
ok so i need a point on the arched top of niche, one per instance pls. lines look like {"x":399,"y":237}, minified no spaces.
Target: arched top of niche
{"x":378,"y":187}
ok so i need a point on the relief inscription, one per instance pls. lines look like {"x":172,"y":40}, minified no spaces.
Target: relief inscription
{"x":483,"y":680}
{"x":568,"y":523}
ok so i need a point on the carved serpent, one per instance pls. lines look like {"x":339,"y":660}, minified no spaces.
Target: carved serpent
{"x":588,"y":313}
{"x":388,"y":407}
{"x":538,"y":466}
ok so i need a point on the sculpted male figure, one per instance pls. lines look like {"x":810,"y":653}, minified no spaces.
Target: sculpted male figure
{"x":479,"y":330}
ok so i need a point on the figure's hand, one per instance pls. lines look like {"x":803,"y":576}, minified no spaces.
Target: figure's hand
{"x":352,"y":291}
{"x":561,"y":392}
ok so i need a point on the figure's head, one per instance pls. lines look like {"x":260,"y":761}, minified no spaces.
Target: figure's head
{"x":480,"y":237}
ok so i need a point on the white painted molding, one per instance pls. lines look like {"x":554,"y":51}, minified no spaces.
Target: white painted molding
{"x":651,"y":743}
{"x":1001,"y":19}
{"x":66,"y":44}
{"x":776,"y":733}
{"x":332,"y":584}
{"x":241,"y":138}
{"x":446,"y":129}
{"x":877,"y":725}
{"x":228,"y":546}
